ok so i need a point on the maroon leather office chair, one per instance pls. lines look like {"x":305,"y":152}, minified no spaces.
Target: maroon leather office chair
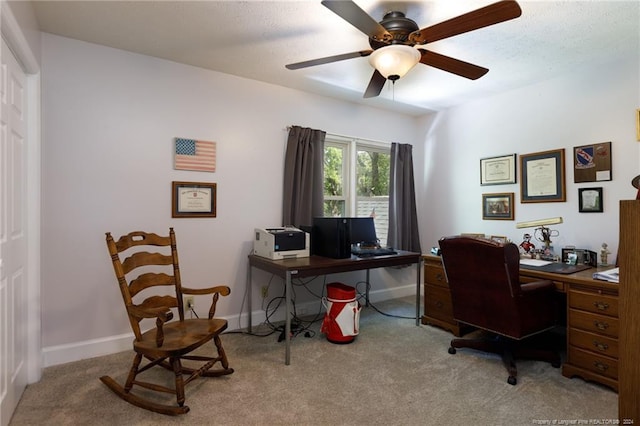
{"x":483,"y":276}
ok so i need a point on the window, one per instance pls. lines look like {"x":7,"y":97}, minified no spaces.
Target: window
{"x":356,"y":180}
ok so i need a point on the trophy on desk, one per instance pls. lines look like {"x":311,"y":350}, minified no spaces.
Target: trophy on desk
{"x":542,"y":233}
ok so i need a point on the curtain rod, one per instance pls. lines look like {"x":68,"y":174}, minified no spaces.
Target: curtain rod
{"x":348,"y":137}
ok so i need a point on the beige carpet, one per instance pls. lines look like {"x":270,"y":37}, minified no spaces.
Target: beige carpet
{"x":394,"y":373}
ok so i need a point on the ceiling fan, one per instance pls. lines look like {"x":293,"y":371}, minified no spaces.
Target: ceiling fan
{"x":393,"y":39}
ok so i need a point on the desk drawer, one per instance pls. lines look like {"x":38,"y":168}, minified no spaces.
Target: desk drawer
{"x":594,"y":342}
{"x":602,"y":365}
{"x":437,"y":303}
{"x":599,"y":324}
{"x":434,"y":275}
{"x":593,"y":302}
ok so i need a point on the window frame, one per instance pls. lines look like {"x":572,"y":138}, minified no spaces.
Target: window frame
{"x":350,"y":147}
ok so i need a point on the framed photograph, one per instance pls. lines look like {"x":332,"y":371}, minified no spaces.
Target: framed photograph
{"x":193,"y":199}
{"x":592,"y":163}
{"x":499,"y":238}
{"x":590,"y":200}
{"x":498,"y":170}
{"x":497,"y":206}
{"x":542,"y":177}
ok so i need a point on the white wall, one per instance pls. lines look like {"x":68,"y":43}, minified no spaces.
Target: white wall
{"x":591,"y":105}
{"x":109,"y":120}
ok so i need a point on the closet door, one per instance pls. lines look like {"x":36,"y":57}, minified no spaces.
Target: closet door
{"x":13,"y":238}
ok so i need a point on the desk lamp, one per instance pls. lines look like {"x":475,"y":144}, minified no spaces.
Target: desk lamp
{"x":542,"y":232}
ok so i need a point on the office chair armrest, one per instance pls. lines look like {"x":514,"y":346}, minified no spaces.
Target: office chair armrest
{"x":216,"y":291}
{"x":537,"y":286}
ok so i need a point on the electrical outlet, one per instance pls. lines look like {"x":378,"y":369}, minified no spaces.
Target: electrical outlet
{"x":264,"y":291}
{"x":189,"y":303}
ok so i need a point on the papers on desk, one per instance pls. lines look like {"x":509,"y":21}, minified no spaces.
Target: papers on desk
{"x":534,"y":262}
{"x":611,"y":275}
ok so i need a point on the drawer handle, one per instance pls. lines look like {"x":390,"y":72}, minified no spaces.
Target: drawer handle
{"x":600,"y":366}
{"x":439,"y":277}
{"x":602,"y":306}
{"x":601,"y":325}
{"x":600,"y":346}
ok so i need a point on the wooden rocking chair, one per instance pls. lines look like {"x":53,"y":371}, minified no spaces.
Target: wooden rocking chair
{"x":169,"y":342}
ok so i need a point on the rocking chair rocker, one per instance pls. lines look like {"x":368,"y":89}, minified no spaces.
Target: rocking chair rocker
{"x":169,"y":342}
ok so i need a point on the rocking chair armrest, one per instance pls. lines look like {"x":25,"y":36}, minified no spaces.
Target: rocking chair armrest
{"x":163,"y":314}
{"x":216,"y":291}
{"x":222,"y":289}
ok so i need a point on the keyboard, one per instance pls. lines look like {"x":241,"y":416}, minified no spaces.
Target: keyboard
{"x":370,"y":252}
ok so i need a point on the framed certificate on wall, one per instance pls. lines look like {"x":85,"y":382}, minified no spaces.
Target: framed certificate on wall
{"x":193,"y":199}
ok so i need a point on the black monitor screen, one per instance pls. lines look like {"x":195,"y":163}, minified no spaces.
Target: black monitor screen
{"x":363,"y":230}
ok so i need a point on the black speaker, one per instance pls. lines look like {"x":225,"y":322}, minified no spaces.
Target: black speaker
{"x":331,"y":237}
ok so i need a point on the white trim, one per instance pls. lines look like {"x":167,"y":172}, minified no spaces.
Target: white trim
{"x":62,"y":354}
{"x":16,"y":40}
{"x":34,"y":173}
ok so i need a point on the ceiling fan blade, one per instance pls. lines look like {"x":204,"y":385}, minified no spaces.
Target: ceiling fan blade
{"x":328,"y":59}
{"x":375,"y":85}
{"x":480,"y":18}
{"x":455,"y":66}
{"x":353,"y":14}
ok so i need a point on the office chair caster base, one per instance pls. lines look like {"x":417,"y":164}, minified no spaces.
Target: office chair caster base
{"x":452,"y":350}
{"x":512,"y":380}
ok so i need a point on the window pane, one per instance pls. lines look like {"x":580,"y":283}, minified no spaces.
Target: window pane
{"x":372,"y":176}
{"x":333,"y":171}
{"x":378,"y":208}
{"x":334,"y":208}
{"x":372,"y":173}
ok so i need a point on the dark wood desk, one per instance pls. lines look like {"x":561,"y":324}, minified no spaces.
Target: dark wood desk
{"x":592,"y":317}
{"x":316,"y":265}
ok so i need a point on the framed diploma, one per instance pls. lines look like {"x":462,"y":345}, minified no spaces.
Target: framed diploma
{"x":498,"y":170}
{"x":193,"y":199}
{"x":542,"y":177}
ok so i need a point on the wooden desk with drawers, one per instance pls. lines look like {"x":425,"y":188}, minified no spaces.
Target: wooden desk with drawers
{"x":592,"y":318}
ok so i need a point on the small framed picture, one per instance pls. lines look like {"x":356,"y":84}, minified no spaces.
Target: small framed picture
{"x":193,"y":199}
{"x":498,"y":170}
{"x":498,"y":206}
{"x":590,"y":200}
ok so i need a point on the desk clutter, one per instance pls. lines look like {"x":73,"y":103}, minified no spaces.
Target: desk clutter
{"x":334,"y":237}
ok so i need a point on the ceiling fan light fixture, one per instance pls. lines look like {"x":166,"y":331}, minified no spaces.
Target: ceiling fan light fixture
{"x":395,"y":60}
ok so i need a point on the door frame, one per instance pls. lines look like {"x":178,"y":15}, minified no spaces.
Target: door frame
{"x":17,"y":42}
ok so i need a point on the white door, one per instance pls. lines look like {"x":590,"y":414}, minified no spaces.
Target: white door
{"x":13,"y":238}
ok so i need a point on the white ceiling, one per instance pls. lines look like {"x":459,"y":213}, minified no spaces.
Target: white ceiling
{"x":256,"y":39}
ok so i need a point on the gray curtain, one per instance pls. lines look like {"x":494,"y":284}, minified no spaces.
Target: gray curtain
{"x":303,"y":195}
{"x":403,"y":217}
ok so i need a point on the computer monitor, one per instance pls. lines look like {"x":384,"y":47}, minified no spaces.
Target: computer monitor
{"x":363,"y":231}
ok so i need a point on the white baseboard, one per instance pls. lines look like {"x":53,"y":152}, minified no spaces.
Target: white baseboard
{"x":61,"y":354}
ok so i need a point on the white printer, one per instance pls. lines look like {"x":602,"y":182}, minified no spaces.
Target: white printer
{"x":281,"y":243}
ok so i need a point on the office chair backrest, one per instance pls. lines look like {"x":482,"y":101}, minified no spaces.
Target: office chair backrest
{"x":483,"y":276}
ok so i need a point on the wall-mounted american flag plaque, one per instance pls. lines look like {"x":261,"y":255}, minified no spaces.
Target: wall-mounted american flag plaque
{"x":191,"y":154}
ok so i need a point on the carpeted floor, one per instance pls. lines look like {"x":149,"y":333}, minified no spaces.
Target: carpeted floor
{"x":394,"y":373}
